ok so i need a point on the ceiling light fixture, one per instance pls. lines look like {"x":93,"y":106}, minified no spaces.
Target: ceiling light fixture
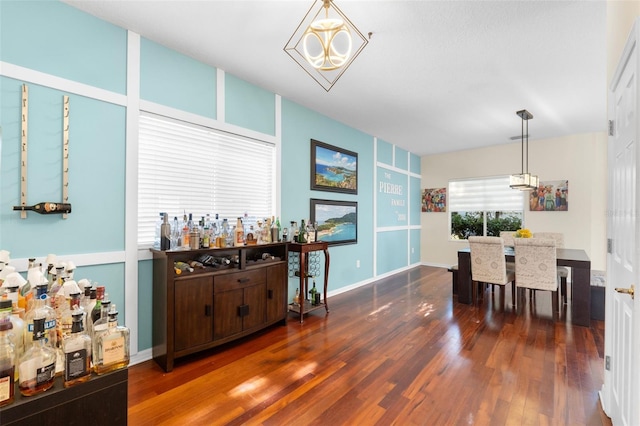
{"x":524,"y":181}
{"x":325,"y":43}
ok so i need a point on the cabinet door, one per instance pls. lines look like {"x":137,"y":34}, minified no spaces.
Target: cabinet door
{"x":193,"y":312}
{"x":255,"y":300}
{"x":276,"y":292}
{"x":227,"y":319}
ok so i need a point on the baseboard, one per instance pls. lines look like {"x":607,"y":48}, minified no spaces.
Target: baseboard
{"x":141,"y":356}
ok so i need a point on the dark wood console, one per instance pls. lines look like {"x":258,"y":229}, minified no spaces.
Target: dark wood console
{"x":198,"y":310}
{"x":100,"y":401}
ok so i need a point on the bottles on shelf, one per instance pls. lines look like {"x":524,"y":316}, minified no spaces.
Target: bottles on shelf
{"x":111,"y":346}
{"x":77,"y":352}
{"x":312,"y":294}
{"x":38,"y":363}
{"x":238,"y":233}
{"x":218,"y":233}
{"x":7,"y":363}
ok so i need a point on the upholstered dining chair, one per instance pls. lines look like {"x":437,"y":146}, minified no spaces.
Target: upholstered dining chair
{"x":488,"y":265}
{"x":536,"y":267}
{"x":563,"y":271}
{"x":508,"y":237}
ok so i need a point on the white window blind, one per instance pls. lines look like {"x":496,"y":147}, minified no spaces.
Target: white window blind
{"x":188,"y":168}
{"x":485,"y":194}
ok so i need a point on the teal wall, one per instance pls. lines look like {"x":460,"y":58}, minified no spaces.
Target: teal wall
{"x":249,"y":106}
{"x":54,"y":38}
{"x":299,"y":126}
{"x":60,"y":41}
{"x":175,"y":80}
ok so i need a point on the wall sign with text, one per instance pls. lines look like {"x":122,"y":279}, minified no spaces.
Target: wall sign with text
{"x":392,"y":198}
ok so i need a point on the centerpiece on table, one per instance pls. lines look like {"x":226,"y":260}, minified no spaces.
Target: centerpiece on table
{"x":523,"y":233}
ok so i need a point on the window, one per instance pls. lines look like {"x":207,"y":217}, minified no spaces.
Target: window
{"x":185,"y":168}
{"x":484,"y":207}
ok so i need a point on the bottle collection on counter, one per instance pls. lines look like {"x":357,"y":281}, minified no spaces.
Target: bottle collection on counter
{"x":51,"y":325}
{"x":187,"y":234}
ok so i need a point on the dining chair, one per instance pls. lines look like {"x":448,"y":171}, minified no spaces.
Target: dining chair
{"x":508,"y":237}
{"x":536,"y":268}
{"x":563,"y":271}
{"x":488,"y":265}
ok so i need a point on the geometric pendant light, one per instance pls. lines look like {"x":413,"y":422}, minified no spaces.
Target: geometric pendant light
{"x":325,"y":43}
{"x":524,"y":181}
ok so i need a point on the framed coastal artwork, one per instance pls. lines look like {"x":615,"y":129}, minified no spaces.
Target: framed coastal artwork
{"x":333,"y":169}
{"x":434,"y":200}
{"x":337,"y":221}
{"x":550,"y":196}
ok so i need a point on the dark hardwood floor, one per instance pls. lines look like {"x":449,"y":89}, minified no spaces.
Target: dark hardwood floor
{"x":397,"y":351}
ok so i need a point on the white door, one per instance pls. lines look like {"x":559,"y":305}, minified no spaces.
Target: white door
{"x":621,"y":390}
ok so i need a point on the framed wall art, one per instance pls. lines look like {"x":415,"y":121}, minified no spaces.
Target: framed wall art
{"x":550,"y":196}
{"x":337,"y":221}
{"x":434,"y":200}
{"x":333,"y":169}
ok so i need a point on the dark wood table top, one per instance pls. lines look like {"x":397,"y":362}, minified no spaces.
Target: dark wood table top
{"x":566,"y":256}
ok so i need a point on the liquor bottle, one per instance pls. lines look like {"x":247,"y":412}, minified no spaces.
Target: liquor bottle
{"x":185,"y":231}
{"x":77,"y":352}
{"x":104,"y":308}
{"x":312,"y":293}
{"x":311,"y":232}
{"x":296,"y":298}
{"x":224,"y":234}
{"x":267,"y":230}
{"x":96,"y":311}
{"x":238,"y":239}
{"x":176,"y":234}
{"x":16,"y":334}
{"x":301,"y":232}
{"x":275,"y":231}
{"x":41,"y":310}
{"x":158,"y":232}
{"x":46,"y":208}
{"x":88,"y":308}
{"x":294,"y":231}
{"x":37,"y":364}
{"x":7,"y":364}
{"x":165,"y":233}
{"x":17,"y":315}
{"x":111,"y":347}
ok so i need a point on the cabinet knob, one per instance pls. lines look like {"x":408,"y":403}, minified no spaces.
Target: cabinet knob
{"x":244,"y":280}
{"x":207,"y":310}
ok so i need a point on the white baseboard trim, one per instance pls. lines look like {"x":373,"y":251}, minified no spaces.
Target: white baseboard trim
{"x":141,"y":356}
{"x":437,"y":265}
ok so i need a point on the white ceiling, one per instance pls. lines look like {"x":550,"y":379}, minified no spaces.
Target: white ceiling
{"x":436,"y":76}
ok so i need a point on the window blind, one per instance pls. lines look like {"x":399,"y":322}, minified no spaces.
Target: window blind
{"x":485,"y":194}
{"x":183,"y":167}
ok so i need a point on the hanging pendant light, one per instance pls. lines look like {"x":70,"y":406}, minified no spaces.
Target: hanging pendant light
{"x":524,"y":181}
{"x":325,"y":43}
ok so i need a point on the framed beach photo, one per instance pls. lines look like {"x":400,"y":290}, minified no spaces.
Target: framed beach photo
{"x":333,"y":169}
{"x":337,"y":221}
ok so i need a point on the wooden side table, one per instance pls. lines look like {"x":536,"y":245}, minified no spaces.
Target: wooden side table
{"x":303,"y":267}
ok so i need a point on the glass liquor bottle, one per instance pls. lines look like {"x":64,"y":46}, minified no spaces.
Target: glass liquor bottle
{"x":238,"y":235}
{"x":38,"y":363}
{"x":7,"y":363}
{"x":77,"y":352}
{"x":41,"y":310}
{"x":96,"y":311}
{"x":312,"y":293}
{"x":301,"y":232}
{"x":111,"y":347}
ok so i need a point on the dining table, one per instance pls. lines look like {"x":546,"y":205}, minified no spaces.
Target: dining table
{"x":576,"y":259}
